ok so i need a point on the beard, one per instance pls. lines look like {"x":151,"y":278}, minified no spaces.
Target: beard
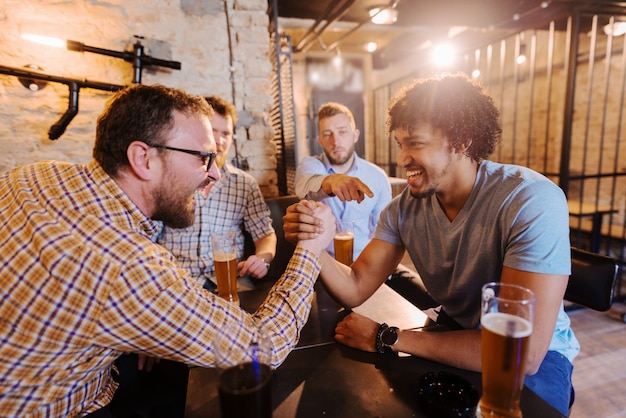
{"x":175,"y":208}
{"x":423,"y":195}
{"x":433,"y":185}
{"x":342,"y":159}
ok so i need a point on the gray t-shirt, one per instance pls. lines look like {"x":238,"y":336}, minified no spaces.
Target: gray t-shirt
{"x":514,"y":217}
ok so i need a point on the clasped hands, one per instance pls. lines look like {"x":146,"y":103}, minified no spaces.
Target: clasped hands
{"x":301,"y":223}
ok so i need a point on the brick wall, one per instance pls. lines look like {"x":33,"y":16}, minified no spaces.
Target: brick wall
{"x":193,"y":32}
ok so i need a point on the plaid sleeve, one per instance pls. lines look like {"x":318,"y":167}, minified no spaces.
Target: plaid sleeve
{"x":169,"y":316}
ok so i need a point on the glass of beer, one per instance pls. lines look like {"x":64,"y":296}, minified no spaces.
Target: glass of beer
{"x":506,"y":324}
{"x":245,"y":388}
{"x":225,"y":261}
{"x":344,"y":242}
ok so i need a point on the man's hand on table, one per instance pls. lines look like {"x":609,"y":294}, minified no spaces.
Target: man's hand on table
{"x":357,"y":331}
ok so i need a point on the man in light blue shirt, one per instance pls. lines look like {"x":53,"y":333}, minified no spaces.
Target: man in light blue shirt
{"x":355,"y":189}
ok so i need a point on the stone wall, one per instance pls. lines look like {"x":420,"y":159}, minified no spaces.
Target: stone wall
{"x":222,"y":45}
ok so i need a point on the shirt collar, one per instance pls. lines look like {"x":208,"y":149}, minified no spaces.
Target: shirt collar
{"x":330,"y":169}
{"x":138,"y":220}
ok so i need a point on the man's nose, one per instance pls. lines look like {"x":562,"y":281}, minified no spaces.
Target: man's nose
{"x":403,"y":158}
{"x":214,"y":172}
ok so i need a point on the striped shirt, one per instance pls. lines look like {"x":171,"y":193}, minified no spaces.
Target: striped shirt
{"x":82,"y":282}
{"x":235,"y":203}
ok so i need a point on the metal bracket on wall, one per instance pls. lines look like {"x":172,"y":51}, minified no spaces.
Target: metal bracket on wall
{"x":136,"y":57}
{"x":74,"y":86}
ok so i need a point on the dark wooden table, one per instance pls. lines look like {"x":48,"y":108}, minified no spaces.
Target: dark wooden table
{"x":322,"y":378}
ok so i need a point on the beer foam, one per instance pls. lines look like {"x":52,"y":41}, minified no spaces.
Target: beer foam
{"x":507,"y":325}
{"x":222,"y":256}
{"x":344,"y":236}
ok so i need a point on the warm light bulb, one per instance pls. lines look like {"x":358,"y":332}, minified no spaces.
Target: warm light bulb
{"x":475,"y":73}
{"x":46,"y":40}
{"x":384,"y":17}
{"x":372,"y":46}
{"x":443,"y":55}
{"x":521,"y":59}
{"x":618,"y":29}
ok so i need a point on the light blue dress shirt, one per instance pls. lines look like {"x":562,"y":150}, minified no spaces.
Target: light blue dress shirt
{"x":308,"y":184}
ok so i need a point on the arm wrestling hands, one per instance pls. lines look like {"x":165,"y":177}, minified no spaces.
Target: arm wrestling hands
{"x":300,"y":224}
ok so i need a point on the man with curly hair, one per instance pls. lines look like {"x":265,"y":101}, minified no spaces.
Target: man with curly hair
{"x":464,"y":221}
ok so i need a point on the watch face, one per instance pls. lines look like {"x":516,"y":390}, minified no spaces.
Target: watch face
{"x":389,"y":336}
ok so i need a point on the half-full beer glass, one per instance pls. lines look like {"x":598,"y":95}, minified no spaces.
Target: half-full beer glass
{"x":507,"y":322}
{"x":344,"y":242}
{"x":225,"y":260}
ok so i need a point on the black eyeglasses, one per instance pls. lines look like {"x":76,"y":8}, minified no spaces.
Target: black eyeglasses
{"x":208,"y":158}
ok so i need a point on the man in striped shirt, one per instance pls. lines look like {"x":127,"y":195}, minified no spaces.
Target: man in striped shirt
{"x":83,"y":282}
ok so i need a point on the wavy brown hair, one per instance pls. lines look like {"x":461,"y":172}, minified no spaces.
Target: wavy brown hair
{"x":453,"y":104}
{"x":222,"y":107}
{"x":140,"y":113}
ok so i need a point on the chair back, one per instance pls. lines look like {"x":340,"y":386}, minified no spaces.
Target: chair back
{"x":592,"y":282}
{"x":284,"y":249}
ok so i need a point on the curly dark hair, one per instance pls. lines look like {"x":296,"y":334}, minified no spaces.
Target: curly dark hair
{"x":140,"y":113}
{"x":222,"y":107}
{"x":453,"y":104}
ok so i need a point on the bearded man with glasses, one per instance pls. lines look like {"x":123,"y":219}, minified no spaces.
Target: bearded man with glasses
{"x":83,"y":281}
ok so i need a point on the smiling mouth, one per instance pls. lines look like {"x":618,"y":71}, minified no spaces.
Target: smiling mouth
{"x":414,"y":173}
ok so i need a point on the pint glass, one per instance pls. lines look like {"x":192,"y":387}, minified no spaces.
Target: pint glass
{"x":344,"y":242}
{"x":507,"y":322}
{"x":225,"y":261}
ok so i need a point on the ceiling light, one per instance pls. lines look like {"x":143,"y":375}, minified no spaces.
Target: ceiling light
{"x":443,"y":55}
{"x":382,"y":16}
{"x":372,"y":46}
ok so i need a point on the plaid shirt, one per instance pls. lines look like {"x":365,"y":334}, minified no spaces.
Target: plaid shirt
{"x":81,"y":282}
{"x":235,"y":201}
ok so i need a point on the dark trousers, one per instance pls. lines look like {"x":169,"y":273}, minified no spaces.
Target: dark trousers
{"x":159,"y":393}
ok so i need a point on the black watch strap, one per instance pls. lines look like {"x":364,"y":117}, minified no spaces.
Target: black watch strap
{"x":379,"y":345}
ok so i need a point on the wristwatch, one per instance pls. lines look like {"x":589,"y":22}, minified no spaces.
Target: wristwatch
{"x":388,"y":337}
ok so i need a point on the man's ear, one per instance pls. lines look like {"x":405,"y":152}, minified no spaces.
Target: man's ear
{"x":356,"y":135}
{"x":141,"y":158}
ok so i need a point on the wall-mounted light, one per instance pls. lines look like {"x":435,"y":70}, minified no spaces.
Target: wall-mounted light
{"x":383,"y":16}
{"x":45,"y":40}
{"x":33,"y":84}
{"x":337,"y":60}
{"x":521,"y":57}
{"x":137,"y":56}
{"x":616,"y":29}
